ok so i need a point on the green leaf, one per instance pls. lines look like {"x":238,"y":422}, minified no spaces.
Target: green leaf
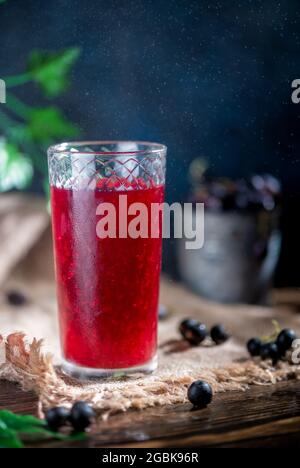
{"x":51,"y":69}
{"x":9,"y":439}
{"x":18,"y":422}
{"x":48,"y":124}
{"x":15,"y":168}
{"x":14,"y":426}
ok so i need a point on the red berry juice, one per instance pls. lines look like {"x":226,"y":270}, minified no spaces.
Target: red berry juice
{"x":107,"y":288}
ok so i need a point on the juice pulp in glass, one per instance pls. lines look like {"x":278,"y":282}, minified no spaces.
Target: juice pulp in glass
{"x":107,"y":287}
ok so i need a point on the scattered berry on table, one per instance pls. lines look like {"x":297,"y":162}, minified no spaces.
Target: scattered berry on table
{"x":57,"y":418}
{"x":162,"y":312}
{"x":254,"y":346}
{"x":264,"y":351}
{"x":274,"y":353}
{"x":200,"y":393}
{"x":16,"y":298}
{"x":186,"y":324}
{"x":81,"y":416}
{"x":193,"y":331}
{"x":219,"y":334}
{"x":285,"y":340}
{"x":270,"y":351}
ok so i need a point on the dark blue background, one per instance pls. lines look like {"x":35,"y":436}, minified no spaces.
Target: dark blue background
{"x":208,"y":78}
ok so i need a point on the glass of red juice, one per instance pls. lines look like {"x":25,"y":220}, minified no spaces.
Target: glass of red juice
{"x":107,"y":246}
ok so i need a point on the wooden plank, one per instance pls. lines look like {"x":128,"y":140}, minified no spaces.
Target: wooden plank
{"x":14,"y":399}
{"x":262,"y":416}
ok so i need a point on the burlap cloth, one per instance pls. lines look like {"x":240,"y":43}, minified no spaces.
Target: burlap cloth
{"x":24,"y":359}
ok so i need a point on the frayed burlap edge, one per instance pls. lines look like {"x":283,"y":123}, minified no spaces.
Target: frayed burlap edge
{"x":26,"y":364}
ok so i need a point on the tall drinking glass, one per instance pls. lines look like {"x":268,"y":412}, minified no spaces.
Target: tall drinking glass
{"x":106,"y":257}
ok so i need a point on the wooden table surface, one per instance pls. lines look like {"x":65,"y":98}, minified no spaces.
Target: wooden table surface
{"x":263,"y":416}
{"x":260,"y":417}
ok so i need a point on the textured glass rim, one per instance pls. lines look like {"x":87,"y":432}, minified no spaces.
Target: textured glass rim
{"x":67,"y":148}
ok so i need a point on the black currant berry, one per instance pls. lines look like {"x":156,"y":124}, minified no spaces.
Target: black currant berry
{"x":81,"y":416}
{"x":270,"y":351}
{"x":15,"y":298}
{"x":57,"y":418}
{"x":219,"y":334}
{"x":200,"y":393}
{"x":186,"y":324}
{"x":264,"y":351}
{"x":193,"y":331}
{"x":285,"y":340}
{"x":254,"y":346}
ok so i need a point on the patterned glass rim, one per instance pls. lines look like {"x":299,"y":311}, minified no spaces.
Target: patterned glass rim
{"x":151,"y":149}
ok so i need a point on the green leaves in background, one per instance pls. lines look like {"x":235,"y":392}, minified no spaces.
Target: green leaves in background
{"x":51,"y":69}
{"x":27,"y":131}
{"x":47,"y":124}
{"x":16,"y":169}
{"x":14,"y":426}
